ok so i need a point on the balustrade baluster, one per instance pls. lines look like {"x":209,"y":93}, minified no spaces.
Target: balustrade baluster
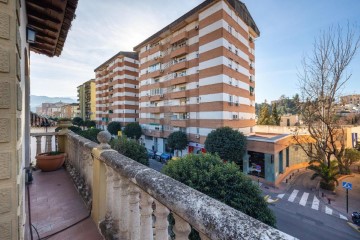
{"x":134,"y":212}
{"x":161,"y":222}
{"x":116,"y":202}
{"x":146,"y":226}
{"x":181,"y":229}
{"x":48,"y":143}
{"x":38,"y":144}
{"x":109,"y":189}
{"x":124,"y":208}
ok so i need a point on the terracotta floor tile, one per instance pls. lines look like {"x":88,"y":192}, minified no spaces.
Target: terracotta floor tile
{"x":56,"y":204}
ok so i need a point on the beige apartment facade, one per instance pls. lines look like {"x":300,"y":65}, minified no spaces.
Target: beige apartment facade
{"x":24,"y":26}
{"x":197,"y":74}
{"x":87,"y":100}
{"x":117,"y":90}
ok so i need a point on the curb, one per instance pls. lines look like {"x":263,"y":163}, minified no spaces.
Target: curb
{"x":355,"y":227}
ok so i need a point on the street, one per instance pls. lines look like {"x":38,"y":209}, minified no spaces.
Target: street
{"x":155,"y":165}
{"x":302,"y":213}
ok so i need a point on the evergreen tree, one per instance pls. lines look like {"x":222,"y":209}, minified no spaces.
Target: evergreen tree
{"x":264,"y":117}
{"x":275,"y":117}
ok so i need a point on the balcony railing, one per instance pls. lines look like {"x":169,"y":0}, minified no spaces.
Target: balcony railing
{"x":132,"y":201}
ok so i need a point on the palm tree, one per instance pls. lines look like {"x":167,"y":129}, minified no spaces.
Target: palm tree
{"x":327,"y":174}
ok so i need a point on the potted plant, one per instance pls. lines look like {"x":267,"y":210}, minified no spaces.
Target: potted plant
{"x":50,"y":161}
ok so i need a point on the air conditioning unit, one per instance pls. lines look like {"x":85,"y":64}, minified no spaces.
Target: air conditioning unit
{"x":156,"y":58}
{"x":237,"y":103}
{"x":197,"y":136}
{"x":162,"y":70}
{"x":161,"y":95}
{"x":173,"y":87}
{"x":197,"y":27}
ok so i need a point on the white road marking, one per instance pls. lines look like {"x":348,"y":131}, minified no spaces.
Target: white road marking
{"x":315,"y":203}
{"x":304,"y":199}
{"x":343,"y":217}
{"x":293,"y":195}
{"x":328,"y":210}
{"x":281,"y":195}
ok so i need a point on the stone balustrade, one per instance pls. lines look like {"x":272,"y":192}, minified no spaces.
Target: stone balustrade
{"x":132,"y":201}
{"x":49,"y":138}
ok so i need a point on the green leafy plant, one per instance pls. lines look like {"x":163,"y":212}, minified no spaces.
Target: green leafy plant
{"x":223,"y":181}
{"x":133,"y":130}
{"x":327,"y":174}
{"x":114,"y":127}
{"x":351,"y":156}
{"x":90,"y":123}
{"x":177,"y":141}
{"x":78,"y":121}
{"x":90,"y":134}
{"x":229,"y":144}
{"x":131,"y":149}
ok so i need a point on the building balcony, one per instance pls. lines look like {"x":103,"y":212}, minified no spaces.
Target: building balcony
{"x":179,"y":109}
{"x":179,"y":80}
{"x":179,"y":66}
{"x":179,"y":94}
{"x":155,"y":109}
{"x":179,"y":51}
{"x":179,"y":37}
{"x":124,"y":195}
{"x":179,"y":123}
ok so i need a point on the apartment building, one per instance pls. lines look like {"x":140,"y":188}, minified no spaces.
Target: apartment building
{"x":117,"y":89}
{"x":197,"y":74}
{"x":70,"y":110}
{"x":350,"y":99}
{"x":87,"y":100}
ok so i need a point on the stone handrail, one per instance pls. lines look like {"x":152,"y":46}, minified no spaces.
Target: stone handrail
{"x":48,"y":141}
{"x":132,"y":201}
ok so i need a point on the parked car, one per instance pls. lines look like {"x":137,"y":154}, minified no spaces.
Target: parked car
{"x":151,"y":154}
{"x":355,"y":217}
{"x":165,"y":157}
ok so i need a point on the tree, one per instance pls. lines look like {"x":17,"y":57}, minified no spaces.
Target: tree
{"x":78,"y":121}
{"x":328,"y":174}
{"x":275,"y":118}
{"x":229,"y":144}
{"x":131,"y":149}
{"x":177,"y":141}
{"x":133,"y":130}
{"x":222,"y":181}
{"x":351,"y":156}
{"x":90,"y":123}
{"x":321,"y":79}
{"x":114,"y":127}
{"x":264,"y":117}
{"x":90,"y":134}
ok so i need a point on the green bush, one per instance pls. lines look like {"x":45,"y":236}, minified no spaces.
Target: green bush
{"x":133,"y":130}
{"x":229,"y":144}
{"x":131,"y":149}
{"x":90,"y":134}
{"x":114,"y":127}
{"x":78,"y":121}
{"x":177,"y":140}
{"x":223,"y":181}
{"x":75,"y":129}
{"x":90,"y":123}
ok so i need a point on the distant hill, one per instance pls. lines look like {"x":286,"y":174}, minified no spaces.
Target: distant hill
{"x":36,"y":101}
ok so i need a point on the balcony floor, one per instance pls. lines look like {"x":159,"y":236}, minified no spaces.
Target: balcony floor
{"x":56,"y":204}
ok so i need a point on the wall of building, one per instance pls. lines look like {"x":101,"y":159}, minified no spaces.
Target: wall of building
{"x":14,"y":85}
{"x":200,"y":76}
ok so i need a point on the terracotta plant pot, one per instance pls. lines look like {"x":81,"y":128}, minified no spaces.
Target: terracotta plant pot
{"x":47,"y":162}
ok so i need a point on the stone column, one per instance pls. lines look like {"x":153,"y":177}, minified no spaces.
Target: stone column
{"x":48,"y":142}
{"x":124,"y":209}
{"x":161,"y":223}
{"x":115,"y":198}
{"x":181,"y":229}
{"x":134,"y":212}
{"x":146,"y":232}
{"x":38,"y":144}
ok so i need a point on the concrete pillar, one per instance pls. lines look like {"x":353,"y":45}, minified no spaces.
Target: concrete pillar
{"x":246,"y":163}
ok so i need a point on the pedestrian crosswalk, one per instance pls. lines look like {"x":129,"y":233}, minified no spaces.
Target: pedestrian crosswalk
{"x":309,"y":200}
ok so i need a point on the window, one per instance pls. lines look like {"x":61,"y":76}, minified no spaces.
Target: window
{"x":230,"y":98}
{"x":230,"y":29}
{"x":230,"y":63}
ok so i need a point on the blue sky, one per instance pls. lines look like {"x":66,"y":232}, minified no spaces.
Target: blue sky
{"x":102,"y":28}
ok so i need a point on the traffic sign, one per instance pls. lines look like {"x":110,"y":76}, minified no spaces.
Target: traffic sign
{"x":258,"y":168}
{"x":347,"y":185}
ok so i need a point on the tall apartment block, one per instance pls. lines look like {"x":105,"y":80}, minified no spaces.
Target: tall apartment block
{"x":117,"y":89}
{"x":87,"y":100}
{"x":197,"y":74}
